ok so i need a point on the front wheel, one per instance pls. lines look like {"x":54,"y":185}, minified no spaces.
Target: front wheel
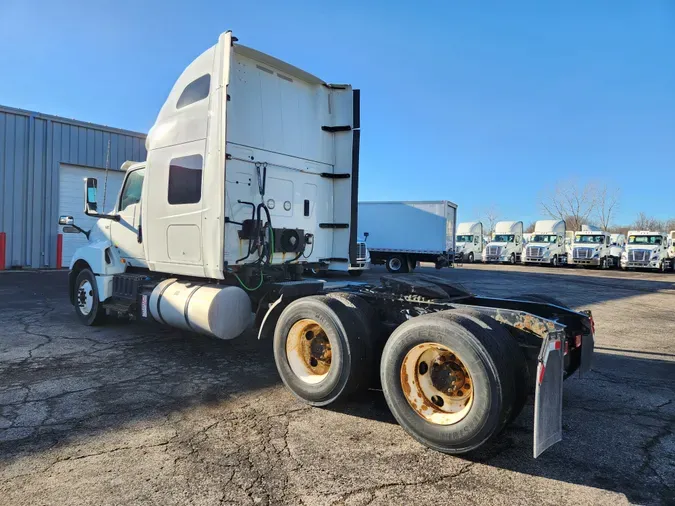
{"x":663,"y":267}
{"x":554,"y":261}
{"x":471,"y":258}
{"x":512,"y":259}
{"x":88,"y":307}
{"x":397,"y":264}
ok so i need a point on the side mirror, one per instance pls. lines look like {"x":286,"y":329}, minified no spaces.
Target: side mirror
{"x":365,"y":235}
{"x":70,"y":230}
{"x":66,"y":220}
{"x":90,"y":201}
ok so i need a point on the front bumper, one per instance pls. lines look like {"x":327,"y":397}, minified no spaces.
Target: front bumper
{"x":640,"y":265}
{"x":586,"y":261}
{"x":537,"y":260}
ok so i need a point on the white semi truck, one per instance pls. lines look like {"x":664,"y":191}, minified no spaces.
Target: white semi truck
{"x":251,"y":177}
{"x":647,"y":250}
{"x":592,"y":248}
{"x":401,"y":234}
{"x":469,"y":242}
{"x":506,"y":245}
{"x":547,"y":244}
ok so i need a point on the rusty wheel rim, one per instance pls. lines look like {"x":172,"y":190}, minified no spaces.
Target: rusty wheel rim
{"x":436,"y":384}
{"x":308,"y":351}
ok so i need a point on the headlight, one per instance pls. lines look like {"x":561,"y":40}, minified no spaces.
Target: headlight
{"x":624,"y":256}
{"x":655,"y":257}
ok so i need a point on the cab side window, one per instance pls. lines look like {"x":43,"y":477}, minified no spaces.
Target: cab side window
{"x":185,"y":180}
{"x":133,"y":186}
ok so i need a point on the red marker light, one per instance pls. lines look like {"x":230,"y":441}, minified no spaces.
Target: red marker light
{"x":558,"y":345}
{"x":577,"y":341}
{"x":540,"y":376}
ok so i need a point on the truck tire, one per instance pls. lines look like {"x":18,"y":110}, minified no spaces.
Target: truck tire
{"x":451,"y":413}
{"x":603,"y":263}
{"x":663,"y":266}
{"x":88,"y":307}
{"x":470,"y":258}
{"x":512,"y":259}
{"x":397,"y":264}
{"x":355,"y":274}
{"x":522,"y":379}
{"x":554,"y":261}
{"x":319,"y":350}
{"x":372,"y":338}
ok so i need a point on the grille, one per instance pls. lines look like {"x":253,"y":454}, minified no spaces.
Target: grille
{"x":493,"y":251}
{"x":638,"y":255}
{"x":361,"y":251}
{"x":535,"y":251}
{"x":583,"y":253}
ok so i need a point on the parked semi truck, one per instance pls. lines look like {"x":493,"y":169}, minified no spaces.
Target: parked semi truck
{"x":647,"y":250}
{"x":592,"y":247}
{"x":469,"y":242}
{"x":400,"y":234}
{"x":506,"y":245}
{"x":547,"y":244}
{"x":251,"y":177}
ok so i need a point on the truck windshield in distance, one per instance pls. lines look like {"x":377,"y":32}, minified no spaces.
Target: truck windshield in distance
{"x":464,"y":238}
{"x":594,"y":239}
{"x":545,"y":238}
{"x":504,"y":238}
{"x":645,"y":239}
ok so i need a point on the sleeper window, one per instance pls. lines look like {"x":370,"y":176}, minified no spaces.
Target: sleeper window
{"x":185,"y":180}
{"x":195,"y":91}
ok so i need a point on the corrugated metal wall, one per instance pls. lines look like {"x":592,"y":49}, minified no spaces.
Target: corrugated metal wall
{"x":32,"y":146}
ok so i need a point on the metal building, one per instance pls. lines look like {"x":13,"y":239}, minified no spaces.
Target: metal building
{"x":43,"y":161}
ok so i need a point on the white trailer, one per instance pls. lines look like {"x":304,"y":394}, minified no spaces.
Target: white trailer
{"x":506,"y":245}
{"x":252,"y":177}
{"x":469,"y":241}
{"x":547,"y":244}
{"x":592,"y":248}
{"x":400,"y":234}
{"x":647,"y":250}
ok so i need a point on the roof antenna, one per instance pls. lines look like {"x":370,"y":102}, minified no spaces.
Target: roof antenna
{"x":107,"y":166}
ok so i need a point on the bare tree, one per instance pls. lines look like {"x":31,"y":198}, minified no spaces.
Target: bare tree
{"x":570,"y":202}
{"x":644,"y":222}
{"x":530,"y":227}
{"x":607,"y":205}
{"x":489,"y":218}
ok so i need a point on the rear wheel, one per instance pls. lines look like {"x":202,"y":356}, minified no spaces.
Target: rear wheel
{"x":88,"y":307}
{"x":319,"y":350}
{"x":522,"y":382}
{"x":446,"y":381}
{"x":397,"y":264}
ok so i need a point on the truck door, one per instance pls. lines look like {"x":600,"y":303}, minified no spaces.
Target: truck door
{"x":126,"y":234}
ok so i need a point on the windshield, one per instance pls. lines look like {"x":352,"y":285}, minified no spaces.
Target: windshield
{"x":504,"y":238}
{"x":464,"y":238}
{"x":644,"y":239}
{"x":593,"y":239}
{"x":544,"y":238}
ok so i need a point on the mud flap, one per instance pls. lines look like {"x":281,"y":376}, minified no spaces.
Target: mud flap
{"x":548,"y":394}
{"x":587,"y":346}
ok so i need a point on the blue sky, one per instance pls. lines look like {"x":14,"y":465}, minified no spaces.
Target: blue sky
{"x":481,"y":103}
